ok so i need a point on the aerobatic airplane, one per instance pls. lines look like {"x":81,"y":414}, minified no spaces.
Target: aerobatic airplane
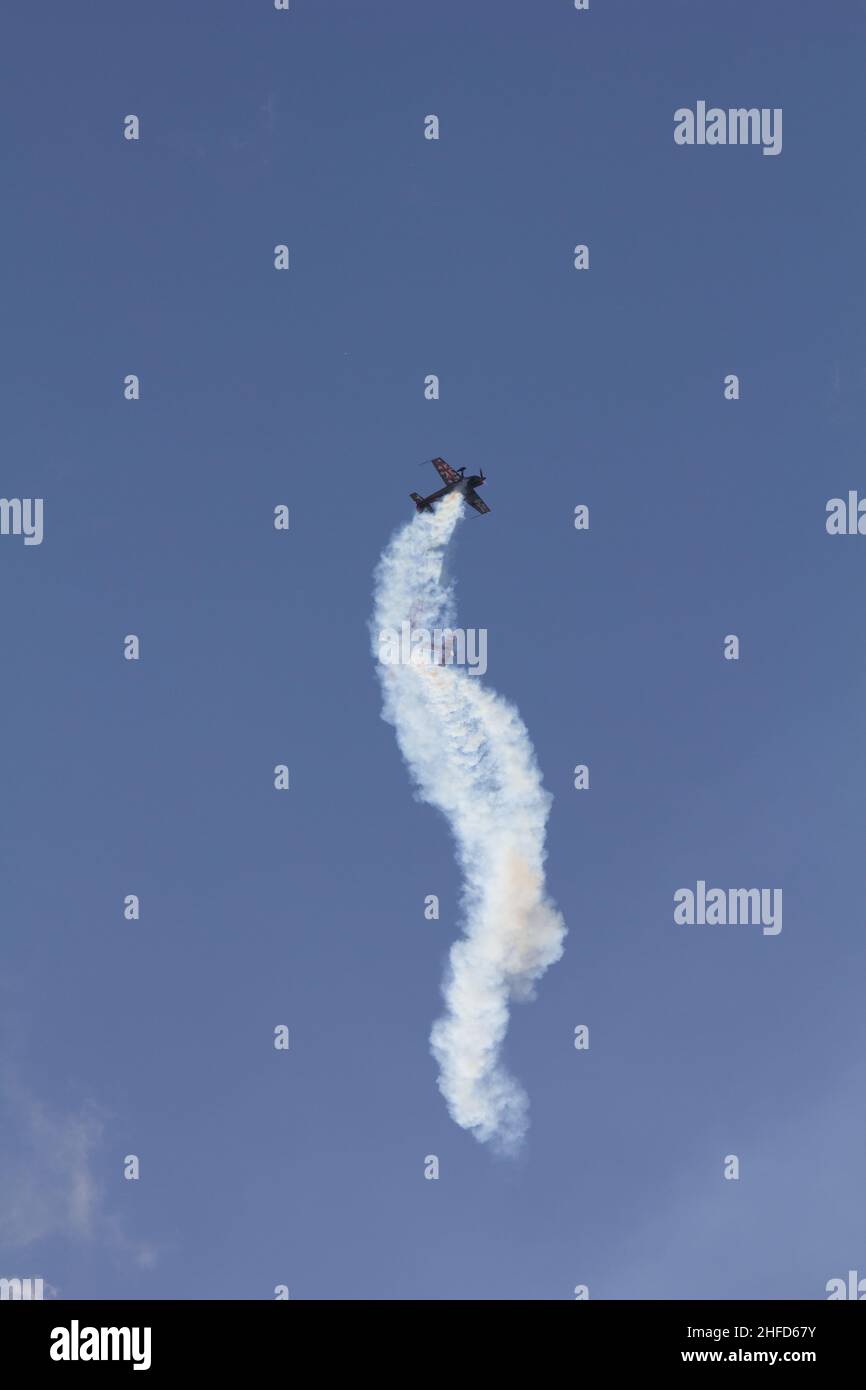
{"x":454,"y":482}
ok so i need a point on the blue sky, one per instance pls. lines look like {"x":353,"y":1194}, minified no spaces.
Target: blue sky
{"x":306,"y":908}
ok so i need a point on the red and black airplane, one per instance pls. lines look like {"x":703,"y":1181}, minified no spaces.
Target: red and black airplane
{"x":454,"y":482}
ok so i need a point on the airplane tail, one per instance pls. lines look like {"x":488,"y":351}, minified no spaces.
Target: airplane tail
{"x":420,"y":503}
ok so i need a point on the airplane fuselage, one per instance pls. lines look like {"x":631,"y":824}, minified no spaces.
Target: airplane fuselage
{"x":463,"y":485}
{"x":454,"y":482}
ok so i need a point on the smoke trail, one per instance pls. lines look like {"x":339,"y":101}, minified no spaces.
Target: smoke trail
{"x":470,"y":755}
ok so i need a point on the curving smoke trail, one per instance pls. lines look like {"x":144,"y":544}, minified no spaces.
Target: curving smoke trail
{"x":470,"y":755}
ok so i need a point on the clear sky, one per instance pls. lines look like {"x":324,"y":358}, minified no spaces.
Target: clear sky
{"x":707,"y":517}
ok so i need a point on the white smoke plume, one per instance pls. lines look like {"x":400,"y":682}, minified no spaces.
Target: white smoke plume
{"x":470,"y":755}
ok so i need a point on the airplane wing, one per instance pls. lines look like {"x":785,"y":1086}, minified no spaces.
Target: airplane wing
{"x":475,"y":501}
{"x":446,"y":473}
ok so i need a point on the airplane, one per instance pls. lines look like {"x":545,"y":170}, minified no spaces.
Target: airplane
{"x":454,"y":481}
